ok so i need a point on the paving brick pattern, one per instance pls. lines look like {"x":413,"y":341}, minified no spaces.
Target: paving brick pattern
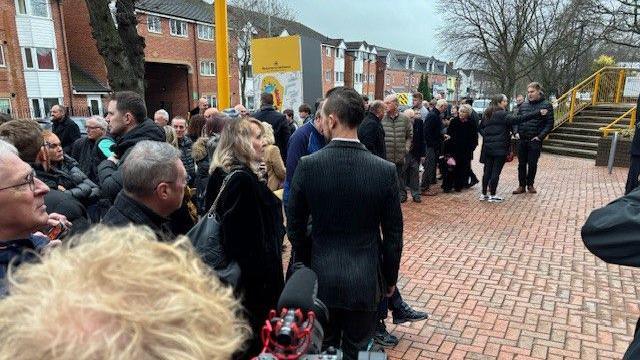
{"x":513,"y":280}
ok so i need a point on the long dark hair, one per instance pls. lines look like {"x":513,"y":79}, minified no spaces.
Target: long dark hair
{"x":494,"y":106}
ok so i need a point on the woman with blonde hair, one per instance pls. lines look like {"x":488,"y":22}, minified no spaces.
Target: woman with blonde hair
{"x":250,"y":220}
{"x":276,"y":171}
{"x":170,"y":135}
{"x":463,"y":139}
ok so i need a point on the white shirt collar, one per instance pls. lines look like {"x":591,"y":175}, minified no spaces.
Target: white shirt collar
{"x":345,"y":139}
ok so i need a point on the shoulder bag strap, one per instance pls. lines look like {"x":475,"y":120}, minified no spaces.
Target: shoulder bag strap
{"x":224,"y":184}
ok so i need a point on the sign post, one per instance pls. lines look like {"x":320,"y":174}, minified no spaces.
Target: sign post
{"x":222,"y":53}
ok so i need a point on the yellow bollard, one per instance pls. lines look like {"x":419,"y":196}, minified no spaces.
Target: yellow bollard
{"x":222,"y":53}
{"x":620,"y":86}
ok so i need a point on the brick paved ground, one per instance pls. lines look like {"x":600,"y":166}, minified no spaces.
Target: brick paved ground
{"x":514,"y":280}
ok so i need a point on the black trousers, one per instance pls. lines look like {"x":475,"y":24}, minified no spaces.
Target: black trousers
{"x":389,"y":303}
{"x":528,"y":155}
{"x":462,"y":172}
{"x":492,"y":169}
{"x":634,"y":172}
{"x":349,"y":330}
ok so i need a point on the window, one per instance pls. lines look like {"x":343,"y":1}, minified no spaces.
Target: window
{"x":328,"y":49}
{"x":42,"y":107}
{"x":38,"y":8}
{"x":48,"y":104}
{"x":248,"y":69}
{"x":28,"y":57}
{"x":178,"y":28}
{"x":213,"y":102}
{"x":37,"y":111}
{"x":250,"y":102}
{"x":154,"y":24}
{"x":207,"y":68}
{"x":339,"y":76}
{"x":2,"y":63}
{"x":94,"y":103}
{"x":327,"y":75}
{"x":388,"y":79}
{"x":205,"y":32}
{"x":5,"y":106}
{"x":341,"y":53}
{"x":45,"y":59}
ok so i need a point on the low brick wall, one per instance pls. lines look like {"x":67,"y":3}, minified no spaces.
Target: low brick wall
{"x":622,"y":152}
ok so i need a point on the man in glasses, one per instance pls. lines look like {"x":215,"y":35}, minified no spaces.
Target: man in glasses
{"x":154,"y":180}
{"x":92,"y":149}
{"x":23,"y":212}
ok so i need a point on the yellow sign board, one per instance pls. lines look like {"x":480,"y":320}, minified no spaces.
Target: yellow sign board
{"x":276,"y":54}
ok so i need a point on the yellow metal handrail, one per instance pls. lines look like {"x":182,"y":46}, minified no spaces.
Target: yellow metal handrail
{"x":631,"y":113}
{"x":604,"y":86}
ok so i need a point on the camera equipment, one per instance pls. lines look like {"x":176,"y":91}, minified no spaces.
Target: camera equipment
{"x":296,"y":332}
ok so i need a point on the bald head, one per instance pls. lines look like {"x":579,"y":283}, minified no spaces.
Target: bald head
{"x":57,"y":112}
{"x":210,"y":112}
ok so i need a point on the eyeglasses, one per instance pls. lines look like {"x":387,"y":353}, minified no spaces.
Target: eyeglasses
{"x":30,"y":180}
{"x":52,"y":145}
{"x":93,"y":127}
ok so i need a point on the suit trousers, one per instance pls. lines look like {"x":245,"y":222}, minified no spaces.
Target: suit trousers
{"x":411,"y":175}
{"x":430,"y":163}
{"x":350,"y":330}
{"x":528,"y":155}
{"x":400,"y":171}
{"x":634,"y":172}
{"x":389,"y":303}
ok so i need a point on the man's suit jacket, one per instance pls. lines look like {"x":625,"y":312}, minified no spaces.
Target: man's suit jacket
{"x":351,"y":195}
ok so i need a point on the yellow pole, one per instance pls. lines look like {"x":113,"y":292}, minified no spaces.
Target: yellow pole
{"x":222,"y":53}
{"x":573,"y":105}
{"x":634,"y":118}
{"x":620,"y":86}
{"x":596,"y":89}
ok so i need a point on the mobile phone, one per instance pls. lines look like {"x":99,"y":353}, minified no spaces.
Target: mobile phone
{"x":57,"y":231}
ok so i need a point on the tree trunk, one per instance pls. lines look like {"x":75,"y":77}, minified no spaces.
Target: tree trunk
{"x":121,"y":48}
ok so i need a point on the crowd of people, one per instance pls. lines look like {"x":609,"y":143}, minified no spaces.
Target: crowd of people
{"x":332,"y":183}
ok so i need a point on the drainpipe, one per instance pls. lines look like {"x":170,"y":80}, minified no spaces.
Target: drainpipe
{"x":66,"y":55}
{"x":196,"y":71}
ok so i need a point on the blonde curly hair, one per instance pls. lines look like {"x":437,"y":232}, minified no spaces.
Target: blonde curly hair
{"x":235,"y":145}
{"x":117,"y":293}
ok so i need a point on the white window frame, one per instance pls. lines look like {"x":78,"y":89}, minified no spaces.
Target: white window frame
{"x":3,"y":61}
{"x":328,"y":51}
{"x":97,"y":98}
{"x":151,"y":19}
{"x":29,"y":11}
{"x":173,"y":27}
{"x":34,"y":59}
{"x":388,"y":79}
{"x":41,"y":107}
{"x":9,"y":101}
{"x":202,"y":26}
{"x":212,"y":65}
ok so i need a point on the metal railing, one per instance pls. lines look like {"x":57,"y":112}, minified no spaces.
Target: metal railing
{"x":631,"y":115}
{"x":614,"y":85}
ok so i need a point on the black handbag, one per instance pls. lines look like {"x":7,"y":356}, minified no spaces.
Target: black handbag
{"x":206,"y":237}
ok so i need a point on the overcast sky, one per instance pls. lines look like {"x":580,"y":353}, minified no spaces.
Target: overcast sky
{"x":408,"y":25}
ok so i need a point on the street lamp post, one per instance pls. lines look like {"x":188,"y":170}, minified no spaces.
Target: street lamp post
{"x":222,"y":53}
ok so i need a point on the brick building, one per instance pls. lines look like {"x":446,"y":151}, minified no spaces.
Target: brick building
{"x":180,"y":53}
{"x":360,"y":67}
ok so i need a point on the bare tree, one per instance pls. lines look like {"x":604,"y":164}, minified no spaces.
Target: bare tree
{"x":119,"y":43}
{"x":621,"y":19}
{"x":254,"y":19}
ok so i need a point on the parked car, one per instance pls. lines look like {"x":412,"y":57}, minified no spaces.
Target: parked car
{"x":480,"y":105}
{"x":45,"y":123}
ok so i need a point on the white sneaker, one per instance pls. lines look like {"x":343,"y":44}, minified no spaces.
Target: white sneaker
{"x":495,"y":199}
{"x":483,"y":197}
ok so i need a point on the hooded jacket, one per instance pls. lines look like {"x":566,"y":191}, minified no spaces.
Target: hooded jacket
{"x":68,"y":175}
{"x":109,"y":173}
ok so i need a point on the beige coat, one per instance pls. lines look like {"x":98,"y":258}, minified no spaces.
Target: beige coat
{"x":275,"y":167}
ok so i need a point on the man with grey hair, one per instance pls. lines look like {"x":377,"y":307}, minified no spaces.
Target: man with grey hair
{"x":398,"y":133}
{"x":203,"y":105}
{"x":161,"y":118}
{"x":370,"y":132}
{"x":153,"y":187}
{"x":86,"y":151}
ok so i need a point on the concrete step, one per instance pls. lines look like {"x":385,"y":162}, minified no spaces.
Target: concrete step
{"x":593,"y":125}
{"x":615,"y":107}
{"x":599,"y":119}
{"x":580,"y":153}
{"x":573,"y":144}
{"x":576,"y":130}
{"x":574,"y":137}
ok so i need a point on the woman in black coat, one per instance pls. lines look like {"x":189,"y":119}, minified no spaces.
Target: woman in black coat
{"x":496,"y":139}
{"x":463,"y":139}
{"x":251,"y":220}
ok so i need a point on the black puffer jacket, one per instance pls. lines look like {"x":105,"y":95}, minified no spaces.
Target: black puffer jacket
{"x":187,"y":160}
{"x":67,"y":131}
{"x":278,"y":122}
{"x":371,"y":134}
{"x":538,"y":126}
{"x":68,"y":175}
{"x":496,"y":131}
{"x":126,"y":210}
{"x":202,"y":152}
{"x":109,"y":173}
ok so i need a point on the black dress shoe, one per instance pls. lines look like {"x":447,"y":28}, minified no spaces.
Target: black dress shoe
{"x":406,"y":314}
{"x":382,"y":336}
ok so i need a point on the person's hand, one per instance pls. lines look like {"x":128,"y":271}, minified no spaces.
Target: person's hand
{"x":113,"y":159}
{"x":390,"y":291}
{"x":46,"y":250}
{"x":446,"y":137}
{"x":536,"y":139}
{"x":517,"y":136}
{"x":61,"y":188}
{"x":544,"y":112}
{"x":55,"y":219}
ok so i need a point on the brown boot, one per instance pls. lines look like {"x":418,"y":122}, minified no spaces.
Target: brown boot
{"x":532,"y":190}
{"x":519,"y":190}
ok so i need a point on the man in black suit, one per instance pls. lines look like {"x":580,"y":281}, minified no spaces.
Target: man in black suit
{"x":352,"y":196}
{"x":371,"y":132}
{"x":612,"y":234}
